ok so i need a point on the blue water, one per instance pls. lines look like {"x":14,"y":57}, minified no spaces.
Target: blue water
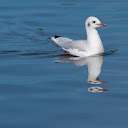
{"x":36,"y":92}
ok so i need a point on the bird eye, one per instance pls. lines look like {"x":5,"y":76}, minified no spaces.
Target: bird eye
{"x":94,"y":21}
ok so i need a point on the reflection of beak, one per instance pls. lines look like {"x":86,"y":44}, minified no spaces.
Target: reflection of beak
{"x":103,"y":89}
{"x":101,"y":24}
{"x":104,"y":82}
{"x":101,"y":81}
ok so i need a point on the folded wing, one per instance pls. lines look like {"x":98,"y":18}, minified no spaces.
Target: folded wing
{"x":69,"y":44}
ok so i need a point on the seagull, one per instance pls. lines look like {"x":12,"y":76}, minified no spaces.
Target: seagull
{"x":82,"y":48}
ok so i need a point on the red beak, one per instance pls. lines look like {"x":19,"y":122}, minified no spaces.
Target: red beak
{"x":103,"y":89}
{"x":101,"y":24}
{"x":104,"y":82}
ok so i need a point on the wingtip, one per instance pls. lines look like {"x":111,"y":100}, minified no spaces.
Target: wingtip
{"x":55,"y":36}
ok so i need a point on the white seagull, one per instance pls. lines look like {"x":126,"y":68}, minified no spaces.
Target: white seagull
{"x":93,"y":45}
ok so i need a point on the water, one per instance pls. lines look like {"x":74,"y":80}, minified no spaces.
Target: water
{"x":36,"y":92}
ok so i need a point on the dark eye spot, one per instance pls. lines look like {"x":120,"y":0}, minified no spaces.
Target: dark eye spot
{"x":94,"y":21}
{"x":88,"y":24}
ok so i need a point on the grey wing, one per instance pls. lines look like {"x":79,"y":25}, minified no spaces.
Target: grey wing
{"x":67,"y":43}
{"x":78,"y":44}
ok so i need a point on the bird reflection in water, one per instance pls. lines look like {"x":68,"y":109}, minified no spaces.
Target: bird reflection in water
{"x":97,"y":89}
{"x":94,"y":64}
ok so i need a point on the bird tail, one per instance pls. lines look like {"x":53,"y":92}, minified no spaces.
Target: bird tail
{"x":54,"y":38}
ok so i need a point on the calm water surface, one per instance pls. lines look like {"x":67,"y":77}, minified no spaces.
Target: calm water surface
{"x":36,"y":92}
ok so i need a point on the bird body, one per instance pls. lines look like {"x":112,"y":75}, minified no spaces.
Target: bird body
{"x":93,"y":44}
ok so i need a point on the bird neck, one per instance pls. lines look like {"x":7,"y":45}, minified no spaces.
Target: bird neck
{"x":93,"y":36}
{"x":93,"y":41}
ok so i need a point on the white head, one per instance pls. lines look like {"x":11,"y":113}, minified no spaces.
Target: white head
{"x":93,"y":23}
